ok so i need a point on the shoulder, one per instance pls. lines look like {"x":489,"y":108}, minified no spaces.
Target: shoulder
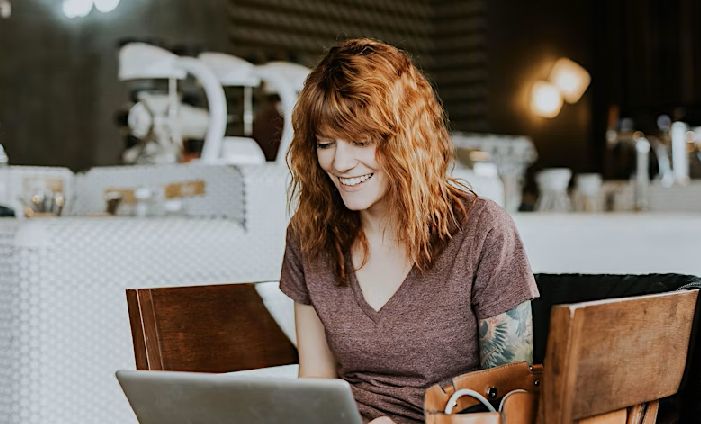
{"x":291,"y":232}
{"x":296,"y":247}
{"x":293,"y":242}
{"x":484,"y":216}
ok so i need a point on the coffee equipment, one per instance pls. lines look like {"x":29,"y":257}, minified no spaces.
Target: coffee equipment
{"x":160,"y":120}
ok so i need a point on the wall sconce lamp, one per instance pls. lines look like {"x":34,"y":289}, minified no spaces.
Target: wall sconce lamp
{"x":568,"y":81}
{"x":81,"y":8}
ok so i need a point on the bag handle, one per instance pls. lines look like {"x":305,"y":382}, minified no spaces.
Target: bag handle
{"x":467,"y":392}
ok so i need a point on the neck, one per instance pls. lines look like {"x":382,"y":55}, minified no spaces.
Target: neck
{"x":377,"y":222}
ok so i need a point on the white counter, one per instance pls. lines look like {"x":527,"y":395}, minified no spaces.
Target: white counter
{"x":64,"y":326}
{"x":612,"y":243}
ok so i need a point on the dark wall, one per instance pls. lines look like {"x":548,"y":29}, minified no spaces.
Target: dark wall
{"x":58,"y":77}
{"x":460,"y":56}
{"x":653,"y":50}
{"x":446,"y":38}
{"x":300,"y":30}
{"x":648,"y":58}
{"x":525,"y":40}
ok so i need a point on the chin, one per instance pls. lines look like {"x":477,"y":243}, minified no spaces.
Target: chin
{"x":357,"y":206}
{"x":358,"y":203}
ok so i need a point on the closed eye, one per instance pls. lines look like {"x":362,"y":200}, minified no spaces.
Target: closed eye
{"x":324,"y":144}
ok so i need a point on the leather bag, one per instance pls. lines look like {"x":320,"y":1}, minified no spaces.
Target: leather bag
{"x":511,"y":390}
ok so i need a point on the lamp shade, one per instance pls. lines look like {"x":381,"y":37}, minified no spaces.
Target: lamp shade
{"x":570,"y":78}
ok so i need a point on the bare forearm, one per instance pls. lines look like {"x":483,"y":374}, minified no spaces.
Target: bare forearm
{"x":316,"y":371}
{"x":315,"y":358}
{"x":382,"y":420}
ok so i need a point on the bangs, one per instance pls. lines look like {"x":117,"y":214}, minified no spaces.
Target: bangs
{"x":352,"y":119}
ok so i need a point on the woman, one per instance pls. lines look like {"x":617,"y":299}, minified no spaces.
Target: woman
{"x":402,"y":278}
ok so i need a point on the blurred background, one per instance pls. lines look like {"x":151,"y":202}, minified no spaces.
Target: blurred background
{"x":60,"y":91}
{"x":143,"y":146}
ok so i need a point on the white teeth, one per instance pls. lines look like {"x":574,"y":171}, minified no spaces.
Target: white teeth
{"x":354,"y":181}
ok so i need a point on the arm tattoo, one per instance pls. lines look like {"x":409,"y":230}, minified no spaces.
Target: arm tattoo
{"x":507,"y":337}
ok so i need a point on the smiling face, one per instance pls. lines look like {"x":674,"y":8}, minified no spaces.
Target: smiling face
{"x":354,"y":171}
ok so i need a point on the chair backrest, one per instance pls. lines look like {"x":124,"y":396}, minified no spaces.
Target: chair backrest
{"x":217,"y":328}
{"x":606,"y":355}
{"x":560,"y":289}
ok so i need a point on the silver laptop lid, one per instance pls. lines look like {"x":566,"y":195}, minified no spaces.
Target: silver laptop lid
{"x":166,"y":397}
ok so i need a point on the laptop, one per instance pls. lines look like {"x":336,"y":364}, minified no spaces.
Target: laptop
{"x":167,"y":397}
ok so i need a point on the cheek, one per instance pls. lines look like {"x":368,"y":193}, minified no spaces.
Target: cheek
{"x":384,"y":182}
{"x":325,"y":159}
{"x":369,"y":158}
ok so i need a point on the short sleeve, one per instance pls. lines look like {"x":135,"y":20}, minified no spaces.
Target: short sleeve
{"x":292,"y":281}
{"x":503,"y":279}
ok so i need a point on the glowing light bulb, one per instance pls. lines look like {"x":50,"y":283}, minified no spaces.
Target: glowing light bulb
{"x":570,"y":78}
{"x":5,"y":9}
{"x":546,"y":99}
{"x":77,"y":8}
{"x":106,"y":6}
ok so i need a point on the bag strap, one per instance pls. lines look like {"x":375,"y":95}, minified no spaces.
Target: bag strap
{"x":503,"y":400}
{"x":466,"y":392}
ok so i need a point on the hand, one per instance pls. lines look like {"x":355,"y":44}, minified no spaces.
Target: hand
{"x":382,"y":420}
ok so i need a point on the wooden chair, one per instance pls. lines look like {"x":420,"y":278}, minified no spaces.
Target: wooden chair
{"x":605,"y":356}
{"x":214,"y":329}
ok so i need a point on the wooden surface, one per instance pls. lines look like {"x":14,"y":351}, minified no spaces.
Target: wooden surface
{"x":616,"y":417}
{"x":184,"y":189}
{"x":606,"y":355}
{"x":128,"y":194}
{"x":205,"y":329}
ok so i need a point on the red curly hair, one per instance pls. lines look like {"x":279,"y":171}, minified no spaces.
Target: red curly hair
{"x":367,"y":90}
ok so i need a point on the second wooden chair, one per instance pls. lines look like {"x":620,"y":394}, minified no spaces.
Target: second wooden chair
{"x":220,"y":328}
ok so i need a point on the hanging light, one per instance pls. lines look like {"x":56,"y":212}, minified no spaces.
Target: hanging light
{"x":77,"y":8}
{"x":546,"y":101}
{"x":106,"y":6}
{"x":5,"y":9}
{"x":570,"y":78}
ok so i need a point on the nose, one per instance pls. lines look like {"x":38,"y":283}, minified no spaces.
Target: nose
{"x":344,"y":157}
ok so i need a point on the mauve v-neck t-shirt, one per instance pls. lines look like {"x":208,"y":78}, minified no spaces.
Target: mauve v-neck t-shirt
{"x":427,"y":331}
